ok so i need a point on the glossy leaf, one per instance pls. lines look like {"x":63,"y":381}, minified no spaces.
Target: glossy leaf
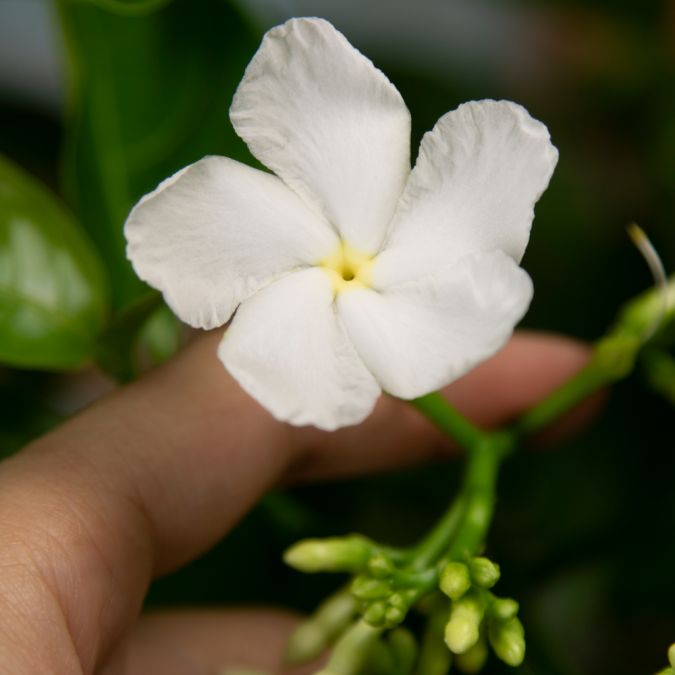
{"x":149,"y":94}
{"x":52,"y":290}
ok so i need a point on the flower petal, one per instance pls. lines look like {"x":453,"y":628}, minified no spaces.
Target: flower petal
{"x":331,"y":125}
{"x":478,"y":175}
{"x":217,"y":231}
{"x":420,"y":336}
{"x":287,"y":348}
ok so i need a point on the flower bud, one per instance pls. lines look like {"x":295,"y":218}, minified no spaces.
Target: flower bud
{"x":337,"y":554}
{"x":307,"y":641}
{"x":404,"y":647}
{"x":313,"y":636}
{"x":380,"y":566}
{"x":484,"y":572}
{"x":508,"y":640}
{"x":473,"y":660}
{"x":398,"y":600}
{"x":374,"y":614}
{"x":366,"y":588}
{"x":462,"y":631}
{"x":671,"y":655}
{"x":504,"y":608}
{"x":394,"y":616}
{"x":351,"y":650}
{"x":455,"y":580}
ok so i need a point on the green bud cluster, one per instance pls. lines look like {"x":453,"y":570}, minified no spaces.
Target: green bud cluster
{"x":475,"y":613}
{"x":381,"y":604}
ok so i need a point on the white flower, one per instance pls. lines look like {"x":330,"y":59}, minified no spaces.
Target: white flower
{"x":349,"y":273}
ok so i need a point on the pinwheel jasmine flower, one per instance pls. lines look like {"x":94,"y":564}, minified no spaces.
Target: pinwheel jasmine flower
{"x":349,"y":272}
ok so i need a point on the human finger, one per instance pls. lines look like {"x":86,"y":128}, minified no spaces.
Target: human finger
{"x":157,"y":472}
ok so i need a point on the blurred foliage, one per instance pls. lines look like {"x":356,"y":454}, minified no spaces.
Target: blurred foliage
{"x":52,"y":289}
{"x":583,"y":534}
{"x":148,"y":95}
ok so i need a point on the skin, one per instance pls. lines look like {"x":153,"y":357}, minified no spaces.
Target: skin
{"x":154,"y":474}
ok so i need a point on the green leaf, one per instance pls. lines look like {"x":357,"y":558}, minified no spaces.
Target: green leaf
{"x":148,"y":94}
{"x":52,"y":289}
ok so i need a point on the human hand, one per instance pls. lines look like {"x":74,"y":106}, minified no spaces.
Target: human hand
{"x":154,"y":474}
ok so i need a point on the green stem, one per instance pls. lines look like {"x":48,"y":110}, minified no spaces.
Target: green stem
{"x":587,"y":381}
{"x":452,"y":423}
{"x":480,"y":486}
{"x":465,"y":523}
{"x":613,"y":358}
{"x":436,"y":543}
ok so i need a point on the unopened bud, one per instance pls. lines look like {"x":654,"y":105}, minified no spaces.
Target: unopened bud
{"x":671,"y":655}
{"x":398,"y":600}
{"x":394,"y":616}
{"x":504,"y":608}
{"x":338,"y":554}
{"x":508,"y":640}
{"x":366,"y":588}
{"x":463,"y":629}
{"x":404,"y":648}
{"x":380,"y":566}
{"x":473,"y":660}
{"x":313,"y":636}
{"x":307,"y":641}
{"x":374,"y":614}
{"x":351,"y":650}
{"x":455,"y":580}
{"x":484,"y":572}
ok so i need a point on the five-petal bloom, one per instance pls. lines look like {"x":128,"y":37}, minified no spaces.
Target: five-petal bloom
{"x":349,"y":273}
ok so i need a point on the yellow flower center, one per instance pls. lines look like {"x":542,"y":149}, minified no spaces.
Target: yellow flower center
{"x":348,"y":268}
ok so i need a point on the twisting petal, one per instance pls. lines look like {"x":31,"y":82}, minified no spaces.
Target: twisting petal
{"x":331,"y":125}
{"x":217,"y":231}
{"x":287,"y":347}
{"x":479,"y":173}
{"x":420,"y":336}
